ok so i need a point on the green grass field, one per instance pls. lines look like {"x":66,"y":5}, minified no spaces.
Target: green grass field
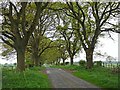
{"x":31,"y":78}
{"x":99,"y":76}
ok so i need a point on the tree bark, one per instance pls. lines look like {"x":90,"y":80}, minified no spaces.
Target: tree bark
{"x":89,"y":58}
{"x":71,"y":60}
{"x":20,"y":60}
{"x":35,"y":52}
{"x":36,"y":61}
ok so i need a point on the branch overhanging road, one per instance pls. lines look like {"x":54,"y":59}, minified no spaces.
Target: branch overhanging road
{"x":63,"y":79}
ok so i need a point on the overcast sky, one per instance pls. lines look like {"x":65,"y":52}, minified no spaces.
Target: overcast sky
{"x":108,"y":45}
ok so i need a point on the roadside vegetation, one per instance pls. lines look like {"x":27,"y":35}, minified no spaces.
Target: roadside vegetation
{"x":99,"y":76}
{"x":30,"y":78}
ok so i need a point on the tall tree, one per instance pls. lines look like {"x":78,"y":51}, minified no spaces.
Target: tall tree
{"x":16,"y":32}
{"x":70,"y":36}
{"x":91,"y":17}
{"x":39,"y":41}
{"x":63,"y":52}
{"x":61,"y":45}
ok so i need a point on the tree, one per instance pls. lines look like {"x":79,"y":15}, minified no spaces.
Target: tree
{"x":37,"y":51}
{"x":64,"y":31}
{"x":70,"y":36}
{"x":60,"y":43}
{"x":51,"y":55}
{"x":63,"y":52}
{"x":91,"y":18}
{"x":39,"y":41}
{"x":16,"y":32}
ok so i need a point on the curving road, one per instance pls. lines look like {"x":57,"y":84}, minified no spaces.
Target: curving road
{"x":63,"y":79}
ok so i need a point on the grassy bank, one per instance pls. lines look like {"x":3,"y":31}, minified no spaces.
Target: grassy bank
{"x":99,"y":76}
{"x":31,"y":78}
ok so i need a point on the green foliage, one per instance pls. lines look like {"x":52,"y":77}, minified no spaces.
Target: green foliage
{"x":30,"y":16}
{"x":82,"y":62}
{"x":31,"y":78}
{"x":58,"y":6}
{"x":55,"y":51}
{"x":7,"y":50}
{"x":51,"y":55}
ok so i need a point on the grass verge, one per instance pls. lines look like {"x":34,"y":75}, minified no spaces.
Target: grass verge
{"x":30,"y":78}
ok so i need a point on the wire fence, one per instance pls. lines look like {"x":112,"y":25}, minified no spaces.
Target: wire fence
{"x":111,"y":65}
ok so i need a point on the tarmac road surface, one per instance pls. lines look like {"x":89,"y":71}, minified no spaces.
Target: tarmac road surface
{"x":63,"y":79}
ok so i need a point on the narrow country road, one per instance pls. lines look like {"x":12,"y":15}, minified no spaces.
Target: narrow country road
{"x":63,"y":79}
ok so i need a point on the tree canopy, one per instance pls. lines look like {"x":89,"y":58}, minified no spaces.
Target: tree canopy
{"x":51,"y":31}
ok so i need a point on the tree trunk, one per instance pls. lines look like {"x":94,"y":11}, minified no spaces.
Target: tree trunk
{"x":36,"y":61}
{"x":21,"y":60}
{"x":40,"y":64}
{"x":35,"y":52}
{"x":89,"y":58}
{"x":71,"y":60}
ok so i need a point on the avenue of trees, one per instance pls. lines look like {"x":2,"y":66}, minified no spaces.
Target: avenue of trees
{"x":53,"y":31}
